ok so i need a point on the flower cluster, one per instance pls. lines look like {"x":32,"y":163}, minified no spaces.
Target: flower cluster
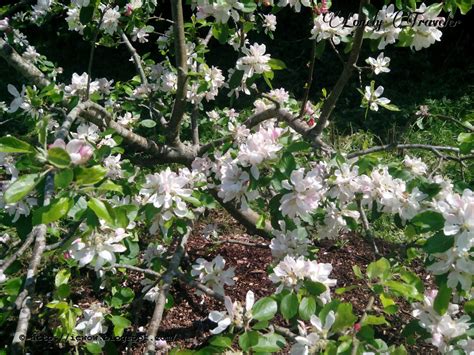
{"x":235,"y":314}
{"x":166,"y":191}
{"x":212,"y":273}
{"x":98,"y":247}
{"x":291,"y":272}
{"x":443,"y":328}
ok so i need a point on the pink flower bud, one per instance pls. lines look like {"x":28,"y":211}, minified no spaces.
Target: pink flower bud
{"x":58,"y":143}
{"x":357,"y":327}
{"x":4,"y":25}
{"x":311,"y":122}
{"x":79,"y":151}
{"x":66,"y":255}
{"x":128,"y":10}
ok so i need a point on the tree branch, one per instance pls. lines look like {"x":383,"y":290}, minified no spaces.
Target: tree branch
{"x":136,"y":58}
{"x":167,"y":279}
{"x":393,"y":146}
{"x":24,"y":67}
{"x":179,"y":105}
{"x":333,"y":97}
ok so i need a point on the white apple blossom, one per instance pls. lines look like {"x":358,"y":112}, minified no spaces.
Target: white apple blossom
{"x":345,"y":183}
{"x":295,"y":3}
{"x":166,"y":190}
{"x":379,"y":64}
{"x":415,"y":165}
{"x":290,"y":274}
{"x":81,"y":3}
{"x":335,"y":221}
{"x":93,"y":322}
{"x":4,"y":24}
{"x":329,"y":26}
{"x":292,"y":243}
{"x":317,"y":340}
{"x":255,"y":61}
{"x":127,"y":119}
{"x":150,"y":290}
{"x":31,"y":54}
{"x":79,"y":85}
{"x":443,"y":328}
{"x":234,"y":184}
{"x":113,"y":166}
{"x":305,"y":196}
{"x":269,"y":22}
{"x":235,"y":314}
{"x":87,"y":131}
{"x":20,"y":99}
{"x":41,"y":8}
{"x":222,"y":11}
{"x":212,"y":273}
{"x":373,"y":98}
{"x":73,"y":20}
{"x":110,"y":20}
{"x":140,"y":34}
{"x":259,"y":147}
{"x":98,"y":247}
{"x":425,"y":35}
{"x":17,"y":209}
{"x":169,"y":82}
{"x":390,"y":28}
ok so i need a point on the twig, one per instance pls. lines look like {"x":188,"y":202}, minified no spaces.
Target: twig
{"x":248,"y":244}
{"x":464,"y":125}
{"x":195,"y":125}
{"x":393,"y":146}
{"x":366,"y":227}
{"x":136,"y":58}
{"x":29,"y":239}
{"x":137,"y":269}
{"x":309,"y":80}
{"x":333,"y":97}
{"x":179,"y":105}
{"x":163,"y":293}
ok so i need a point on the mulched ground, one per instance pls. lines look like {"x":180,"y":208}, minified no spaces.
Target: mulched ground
{"x":186,"y":324}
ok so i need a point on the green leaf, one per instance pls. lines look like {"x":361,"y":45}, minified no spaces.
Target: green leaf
{"x":357,"y":272}
{"x":289,"y":306}
{"x":108,"y":185}
{"x":249,"y":6}
{"x":120,"y":323}
{"x":428,"y":221}
{"x":247,"y":340}
{"x":63,"y":178}
{"x":222,"y":341}
{"x":315,"y":288}
{"x":374,"y":320}
{"x":59,"y":157}
{"x":438,"y":243}
{"x":464,"y":6}
{"x":378,"y":269}
{"x":268,"y":343}
{"x":220,"y":31}
{"x":469,"y":307}
{"x":102,"y":210}
{"x":344,"y":317}
{"x":307,"y":308}
{"x":389,"y":305}
{"x":62,"y":277}
{"x":298,"y":147}
{"x":86,"y":14}
{"x":90,"y":176}
{"x":94,"y":347}
{"x":9,"y":144}
{"x":442,"y":299}
{"x":276,"y":64}
{"x":54,"y":211}
{"x":148,"y":123}
{"x":264,"y":309}
{"x":405,"y":290}
{"x":20,"y":188}
{"x":12,"y":286}
{"x":260,"y":222}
